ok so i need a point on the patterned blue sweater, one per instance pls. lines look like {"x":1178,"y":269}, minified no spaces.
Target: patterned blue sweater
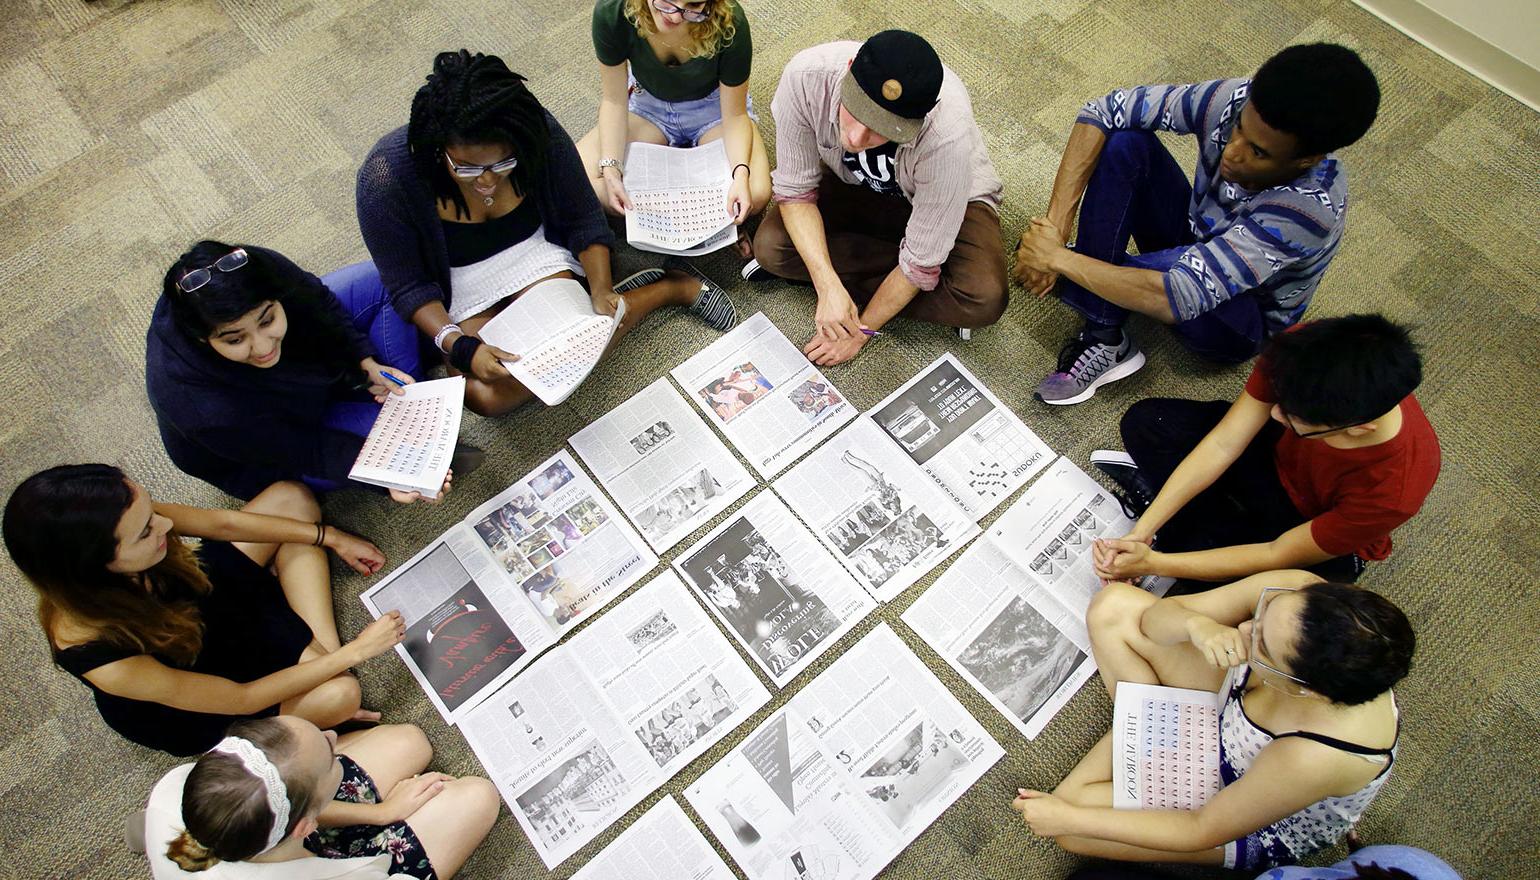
{"x":1274,"y":244}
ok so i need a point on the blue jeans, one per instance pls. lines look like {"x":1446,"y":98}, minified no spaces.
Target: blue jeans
{"x":1138,"y":192}
{"x":395,"y":342}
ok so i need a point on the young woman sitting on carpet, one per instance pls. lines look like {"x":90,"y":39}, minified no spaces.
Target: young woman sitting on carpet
{"x":1307,"y":732}
{"x":480,"y":197}
{"x":177,"y":642}
{"x":279,"y":798}
{"x":259,"y":371}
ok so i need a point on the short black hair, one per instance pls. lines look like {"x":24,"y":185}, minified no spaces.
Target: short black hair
{"x":475,"y":99}
{"x":1321,"y":93}
{"x":1338,"y":372}
{"x":1353,"y":644}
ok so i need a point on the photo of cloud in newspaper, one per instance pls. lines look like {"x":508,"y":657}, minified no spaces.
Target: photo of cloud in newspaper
{"x":679,"y":505}
{"x":881,"y":534}
{"x":814,"y":396}
{"x":731,"y":394}
{"x":913,"y":771}
{"x":1021,"y":658}
{"x":686,"y":719}
{"x":575,"y":792}
{"x":753,"y":589}
{"x":462,"y":643}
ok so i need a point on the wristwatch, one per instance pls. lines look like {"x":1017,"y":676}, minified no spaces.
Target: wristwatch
{"x":611,"y":163}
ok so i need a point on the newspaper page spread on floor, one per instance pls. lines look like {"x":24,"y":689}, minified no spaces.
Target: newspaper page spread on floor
{"x":875,"y":509}
{"x":849,"y":772}
{"x":668,"y":472}
{"x":486,"y":597}
{"x":661,"y":845}
{"x":769,"y":400}
{"x":592,"y":728}
{"x":962,"y":435}
{"x":774,"y":587}
{"x":1165,"y":746}
{"x":1049,"y":532}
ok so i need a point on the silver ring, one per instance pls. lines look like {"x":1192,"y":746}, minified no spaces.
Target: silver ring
{"x":1228,"y":651}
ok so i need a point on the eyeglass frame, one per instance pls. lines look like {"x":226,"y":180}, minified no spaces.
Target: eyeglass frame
{"x":208,"y":271}
{"x":692,"y":16}
{"x":1263,"y":600}
{"x":1309,"y":435}
{"x":502,"y":166}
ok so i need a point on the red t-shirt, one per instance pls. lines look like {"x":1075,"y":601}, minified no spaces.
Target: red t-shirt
{"x":1355,"y":497}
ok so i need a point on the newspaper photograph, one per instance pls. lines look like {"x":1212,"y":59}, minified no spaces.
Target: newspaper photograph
{"x":592,"y":728}
{"x":875,"y":510}
{"x":997,"y":627}
{"x":962,"y":435}
{"x":765,"y":396}
{"x":661,"y":845}
{"x":482,"y":600}
{"x":668,"y":472}
{"x":848,"y":773}
{"x":774,"y":587}
{"x":1049,"y":533}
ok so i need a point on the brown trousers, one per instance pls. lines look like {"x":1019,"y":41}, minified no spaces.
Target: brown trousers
{"x":864,"y":229}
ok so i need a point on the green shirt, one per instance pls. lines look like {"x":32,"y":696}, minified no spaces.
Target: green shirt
{"x":616,"y":40}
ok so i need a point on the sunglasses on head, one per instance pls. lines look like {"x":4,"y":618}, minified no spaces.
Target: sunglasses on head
{"x":201,"y":276}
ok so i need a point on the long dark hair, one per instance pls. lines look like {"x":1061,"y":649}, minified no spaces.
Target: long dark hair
{"x":475,"y":99}
{"x":61,"y":531}
{"x":316,"y":331}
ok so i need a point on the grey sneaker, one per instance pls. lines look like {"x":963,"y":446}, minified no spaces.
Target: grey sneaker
{"x":713,"y":305}
{"x":1086,"y":365}
{"x":1137,"y":494}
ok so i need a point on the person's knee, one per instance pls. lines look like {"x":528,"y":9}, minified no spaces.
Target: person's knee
{"x":408,"y":744}
{"x":334,"y":701}
{"x":773,"y":247}
{"x":1138,"y":420}
{"x":1115,"y":612}
{"x":984,"y":304}
{"x":293,"y":499}
{"x":1126,"y":148}
{"x":476,"y":799}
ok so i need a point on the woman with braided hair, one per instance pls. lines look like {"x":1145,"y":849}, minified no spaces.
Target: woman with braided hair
{"x":282,"y":799}
{"x":478,"y":198}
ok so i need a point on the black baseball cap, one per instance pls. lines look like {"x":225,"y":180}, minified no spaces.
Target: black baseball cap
{"x":893,"y":82}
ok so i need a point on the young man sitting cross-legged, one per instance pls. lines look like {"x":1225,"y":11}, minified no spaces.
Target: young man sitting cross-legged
{"x":1229,"y":260}
{"x":1319,"y":459}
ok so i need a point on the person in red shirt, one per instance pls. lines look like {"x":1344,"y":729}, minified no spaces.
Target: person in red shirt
{"x":1319,"y":459}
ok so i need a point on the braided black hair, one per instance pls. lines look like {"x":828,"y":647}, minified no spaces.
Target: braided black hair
{"x":475,"y":99}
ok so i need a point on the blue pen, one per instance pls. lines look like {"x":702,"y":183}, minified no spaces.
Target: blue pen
{"x":393,"y":379}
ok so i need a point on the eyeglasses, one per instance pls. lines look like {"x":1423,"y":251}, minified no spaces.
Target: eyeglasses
{"x":1268,"y":594}
{"x":1306,"y":435}
{"x":471,"y":172}
{"x":199,"y":277}
{"x":667,"y":8}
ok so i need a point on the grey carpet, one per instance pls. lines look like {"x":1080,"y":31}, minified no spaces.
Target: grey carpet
{"x":128,"y":130}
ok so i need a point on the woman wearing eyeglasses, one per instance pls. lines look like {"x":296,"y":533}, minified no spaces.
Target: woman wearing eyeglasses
{"x":675,"y":74}
{"x":480,"y":197}
{"x":259,"y":371}
{"x":1307,"y":733}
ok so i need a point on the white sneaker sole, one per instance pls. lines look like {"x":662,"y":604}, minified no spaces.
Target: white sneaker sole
{"x":1112,"y":456}
{"x":1121,"y":371}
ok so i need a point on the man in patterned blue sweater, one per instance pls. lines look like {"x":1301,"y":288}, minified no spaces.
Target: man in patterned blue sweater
{"x":1231,"y":259}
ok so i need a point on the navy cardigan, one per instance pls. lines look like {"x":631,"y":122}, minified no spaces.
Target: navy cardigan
{"x":243,"y":428}
{"x":398,"y":215}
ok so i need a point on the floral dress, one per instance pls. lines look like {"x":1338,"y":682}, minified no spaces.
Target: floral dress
{"x":407,"y":856}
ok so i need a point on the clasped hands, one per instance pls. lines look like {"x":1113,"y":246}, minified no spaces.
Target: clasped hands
{"x":1125,"y":558}
{"x":1041,"y":244}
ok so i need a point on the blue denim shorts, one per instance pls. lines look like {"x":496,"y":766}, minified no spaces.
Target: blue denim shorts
{"x":682,"y":122}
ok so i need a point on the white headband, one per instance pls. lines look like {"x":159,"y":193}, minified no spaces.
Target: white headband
{"x":259,"y":766}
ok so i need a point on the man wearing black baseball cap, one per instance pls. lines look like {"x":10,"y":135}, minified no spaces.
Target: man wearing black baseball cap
{"x":886,"y":200}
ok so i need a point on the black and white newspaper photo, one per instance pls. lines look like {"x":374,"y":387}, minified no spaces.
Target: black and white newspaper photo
{"x":849,"y":772}
{"x":764,"y":395}
{"x":668,"y":471}
{"x":486,"y":597}
{"x":961,"y":434}
{"x":661,"y":845}
{"x":998,"y":628}
{"x":873,"y":507}
{"x":594,"y":726}
{"x":1049,"y":532}
{"x":774,"y":587}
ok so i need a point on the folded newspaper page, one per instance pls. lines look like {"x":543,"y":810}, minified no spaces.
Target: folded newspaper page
{"x":588,"y":731}
{"x":1004,"y":635}
{"x":557,"y":335}
{"x":774,"y":587}
{"x":486,"y":597}
{"x":661,"y":845}
{"x":1165,"y":746}
{"x":413,"y":438}
{"x":848,"y":773}
{"x":769,"y":400}
{"x":668,"y":472}
{"x":962,"y":435}
{"x":875,"y":509}
{"x":678,"y":198}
